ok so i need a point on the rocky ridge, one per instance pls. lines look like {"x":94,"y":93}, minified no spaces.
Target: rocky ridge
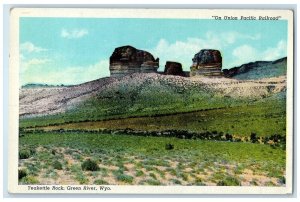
{"x":258,"y":70}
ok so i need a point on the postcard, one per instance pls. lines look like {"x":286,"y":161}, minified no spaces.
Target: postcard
{"x":151,"y":101}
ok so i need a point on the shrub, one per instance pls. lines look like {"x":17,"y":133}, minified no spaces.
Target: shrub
{"x":169,"y":146}
{"x":152,"y":175}
{"x":281,"y":180}
{"x":89,"y":165}
{"x":53,"y":151}
{"x":80,"y":177}
{"x":221,"y":183}
{"x":228,"y":137}
{"x":32,"y":151}
{"x":253,"y":138}
{"x":175,"y":181}
{"x":199,"y":182}
{"x":22,"y":173}
{"x":29,"y":180}
{"x":24,"y":154}
{"x":139,"y":173}
{"x":100,"y":182}
{"x":33,"y":169}
{"x":125,"y":178}
{"x":153,"y":182}
{"x":229,"y":181}
{"x":57,"y":165}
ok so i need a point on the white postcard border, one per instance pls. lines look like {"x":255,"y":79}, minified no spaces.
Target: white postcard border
{"x":16,"y":13}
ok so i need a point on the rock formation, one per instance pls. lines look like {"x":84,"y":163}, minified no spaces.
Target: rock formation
{"x":173,"y":68}
{"x":127,"y":60}
{"x":258,"y":70}
{"x":207,"y":62}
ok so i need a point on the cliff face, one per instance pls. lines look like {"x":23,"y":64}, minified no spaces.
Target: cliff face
{"x":127,"y":60}
{"x":207,"y":62}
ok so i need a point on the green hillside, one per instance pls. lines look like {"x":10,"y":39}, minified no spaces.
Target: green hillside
{"x":142,"y":97}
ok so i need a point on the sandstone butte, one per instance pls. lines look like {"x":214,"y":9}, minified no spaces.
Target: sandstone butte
{"x":207,"y":62}
{"x":128,"y":60}
{"x":174,"y":68}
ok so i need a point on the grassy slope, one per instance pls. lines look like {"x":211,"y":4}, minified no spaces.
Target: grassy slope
{"x":264,"y":119}
{"x":146,"y":99}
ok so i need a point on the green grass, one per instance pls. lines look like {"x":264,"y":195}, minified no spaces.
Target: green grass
{"x":153,"y":146}
{"x":263,"y":118}
{"x":150,"y":152}
{"x":139,"y":173}
{"x":124,"y":178}
{"x":100,"y":182}
{"x":57,"y":165}
{"x":24,"y":154}
{"x":152,"y":182}
{"x":29,"y":180}
{"x":229,"y":181}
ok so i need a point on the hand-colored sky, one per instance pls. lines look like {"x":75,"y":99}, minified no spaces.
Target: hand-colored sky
{"x":76,"y":50}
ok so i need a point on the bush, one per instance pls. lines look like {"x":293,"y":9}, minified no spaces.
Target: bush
{"x":169,"y":146}
{"x":153,"y":182}
{"x":253,"y":138}
{"x":100,"y":182}
{"x":22,"y":173}
{"x":29,"y":180}
{"x":24,"y":154}
{"x":175,"y":181}
{"x":152,"y":175}
{"x":32,"y":151}
{"x":229,"y":181}
{"x":199,"y":182}
{"x":53,"y":151}
{"x":228,"y":137}
{"x":139,"y":173}
{"x":125,"y":178}
{"x":281,"y":180}
{"x":89,"y":165}
{"x":57,"y":165}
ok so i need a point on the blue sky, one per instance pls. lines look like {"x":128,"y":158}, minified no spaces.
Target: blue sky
{"x":76,"y":50}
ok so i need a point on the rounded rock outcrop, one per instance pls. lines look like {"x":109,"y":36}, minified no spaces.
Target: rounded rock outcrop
{"x":173,"y":68}
{"x":128,"y":60}
{"x":207,"y":62}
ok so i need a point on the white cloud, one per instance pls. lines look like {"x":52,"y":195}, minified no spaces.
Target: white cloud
{"x":274,"y":53}
{"x":70,"y":75}
{"x":247,"y":53}
{"x":232,"y":37}
{"x":26,"y":65}
{"x":243,"y":54}
{"x":73,"y":34}
{"x":30,"y":47}
{"x":182,"y":51}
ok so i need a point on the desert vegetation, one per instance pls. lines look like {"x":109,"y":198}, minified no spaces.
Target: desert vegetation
{"x":89,"y":158}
